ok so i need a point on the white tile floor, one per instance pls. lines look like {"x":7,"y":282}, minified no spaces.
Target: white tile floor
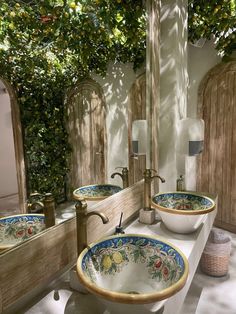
{"x":208,"y":295}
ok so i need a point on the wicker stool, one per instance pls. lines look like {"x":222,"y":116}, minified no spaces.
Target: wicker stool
{"x":215,"y":257}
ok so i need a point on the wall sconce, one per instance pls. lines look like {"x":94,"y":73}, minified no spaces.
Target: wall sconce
{"x":190,"y":139}
{"x":139,"y":137}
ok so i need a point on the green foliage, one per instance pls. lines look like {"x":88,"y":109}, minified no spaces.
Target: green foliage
{"x":214,"y":19}
{"x":45,"y":47}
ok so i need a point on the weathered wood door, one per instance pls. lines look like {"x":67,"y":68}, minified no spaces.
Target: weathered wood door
{"x":87,"y":134}
{"x":217,"y":165}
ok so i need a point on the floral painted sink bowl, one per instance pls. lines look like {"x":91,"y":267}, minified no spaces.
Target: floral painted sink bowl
{"x":182,"y":212}
{"x":132,"y":269}
{"x":96,"y":191}
{"x":17,"y":228}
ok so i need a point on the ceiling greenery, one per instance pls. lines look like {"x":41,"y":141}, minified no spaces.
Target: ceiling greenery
{"x":48,"y":45}
{"x":214,"y":19}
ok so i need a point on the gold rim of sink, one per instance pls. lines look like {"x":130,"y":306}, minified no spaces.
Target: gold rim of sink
{"x":78,"y":196}
{"x":143,"y":298}
{"x":184,"y":212}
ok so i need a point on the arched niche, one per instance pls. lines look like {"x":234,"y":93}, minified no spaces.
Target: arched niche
{"x":18,"y":145}
{"x":216,"y":171}
{"x":86,"y":112}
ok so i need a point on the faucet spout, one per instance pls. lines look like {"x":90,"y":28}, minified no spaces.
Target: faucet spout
{"x":124,"y":176}
{"x":116,"y":173}
{"x":104,"y":218}
{"x":82,"y":216}
{"x":162,"y":179}
{"x":147,"y":187}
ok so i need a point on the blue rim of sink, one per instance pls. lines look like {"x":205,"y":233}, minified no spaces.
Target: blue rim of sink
{"x":201,"y":204}
{"x":96,"y":191}
{"x":131,"y":298}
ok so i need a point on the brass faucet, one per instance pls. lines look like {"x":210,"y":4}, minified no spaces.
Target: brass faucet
{"x":47,"y":206}
{"x":147,"y":187}
{"x":124,"y":176}
{"x":35,"y":206}
{"x":82,"y":216}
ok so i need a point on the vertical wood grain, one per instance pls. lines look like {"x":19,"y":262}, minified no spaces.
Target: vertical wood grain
{"x":217,"y":165}
{"x":87,"y":133}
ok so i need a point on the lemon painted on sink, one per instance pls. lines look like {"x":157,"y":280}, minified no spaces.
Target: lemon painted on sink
{"x":132,"y":269}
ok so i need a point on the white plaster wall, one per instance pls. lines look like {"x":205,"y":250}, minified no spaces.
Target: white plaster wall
{"x":116,"y":85}
{"x":8,"y":179}
{"x":173,"y":87}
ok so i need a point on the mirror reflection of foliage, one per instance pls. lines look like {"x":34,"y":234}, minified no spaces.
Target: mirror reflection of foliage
{"x":214,"y":19}
{"x":45,"y":47}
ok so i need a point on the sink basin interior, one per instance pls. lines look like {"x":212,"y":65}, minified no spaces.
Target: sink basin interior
{"x":17,"y":228}
{"x":96,"y":191}
{"x":132,"y":268}
{"x":182,"y":212}
{"x":183,"y":202}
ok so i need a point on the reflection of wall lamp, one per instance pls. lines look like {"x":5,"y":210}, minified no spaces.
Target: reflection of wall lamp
{"x":190,"y":139}
{"x":139,"y":137}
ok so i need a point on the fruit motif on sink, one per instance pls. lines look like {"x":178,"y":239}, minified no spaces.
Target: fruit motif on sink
{"x":132,"y":269}
{"x":96,"y":191}
{"x":17,"y":228}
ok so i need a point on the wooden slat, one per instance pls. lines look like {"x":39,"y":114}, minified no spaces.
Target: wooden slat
{"x":87,"y":133}
{"x":39,"y":259}
{"x":217,"y":165}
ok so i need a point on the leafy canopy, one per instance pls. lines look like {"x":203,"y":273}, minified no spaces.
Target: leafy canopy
{"x":45,"y":47}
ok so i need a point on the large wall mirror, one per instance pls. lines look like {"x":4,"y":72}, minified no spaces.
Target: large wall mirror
{"x":113,"y":90}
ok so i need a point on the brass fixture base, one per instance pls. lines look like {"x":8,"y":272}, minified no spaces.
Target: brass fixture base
{"x":147,"y":216}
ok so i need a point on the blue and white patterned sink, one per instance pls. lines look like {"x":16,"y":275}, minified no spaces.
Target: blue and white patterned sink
{"x":17,"y":228}
{"x":96,"y":191}
{"x":182,"y":212}
{"x":132,"y":269}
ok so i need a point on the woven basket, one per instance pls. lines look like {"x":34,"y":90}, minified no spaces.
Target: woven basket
{"x":215,"y":257}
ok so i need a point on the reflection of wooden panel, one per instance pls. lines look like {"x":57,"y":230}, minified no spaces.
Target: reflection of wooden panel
{"x":87,"y":133}
{"x":217,"y":165}
{"x":137,"y":111}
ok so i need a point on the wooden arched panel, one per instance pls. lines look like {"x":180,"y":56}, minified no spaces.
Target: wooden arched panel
{"x":217,"y":164}
{"x":137,"y":111}
{"x":87,"y":133}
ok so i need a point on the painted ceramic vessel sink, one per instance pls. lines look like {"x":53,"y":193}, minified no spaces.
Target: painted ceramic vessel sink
{"x":182,"y":212}
{"x":132,"y":269}
{"x":17,"y":228}
{"x":96,"y":191}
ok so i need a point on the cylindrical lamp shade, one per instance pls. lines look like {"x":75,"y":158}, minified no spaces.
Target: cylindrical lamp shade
{"x":139,"y":137}
{"x":191,"y":136}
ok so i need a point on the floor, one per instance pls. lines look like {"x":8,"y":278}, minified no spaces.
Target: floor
{"x":209,"y":294}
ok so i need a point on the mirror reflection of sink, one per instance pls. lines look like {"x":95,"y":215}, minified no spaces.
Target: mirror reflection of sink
{"x":17,"y":228}
{"x":132,"y":272}
{"x":96,"y":192}
{"x":182,"y":212}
